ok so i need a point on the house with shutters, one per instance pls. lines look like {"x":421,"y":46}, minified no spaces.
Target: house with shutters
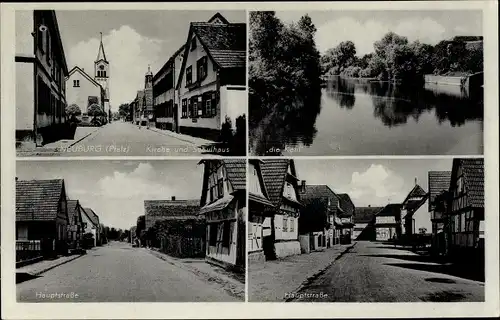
{"x":281,"y":182}
{"x":40,"y":83}
{"x":165,"y":99}
{"x":212,"y":79}
{"x":259,"y":210}
{"x":346,"y":212}
{"x":438,"y":185}
{"x":223,"y":203}
{"x":91,"y":225}
{"x":317,"y":222}
{"x":75,"y":225}
{"x":465,"y":216}
{"x":42,"y":218}
{"x":388,"y":223}
{"x":414,"y":216}
{"x":183,"y":226}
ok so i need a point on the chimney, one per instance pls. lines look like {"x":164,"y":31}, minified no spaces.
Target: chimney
{"x":173,"y":198}
{"x":83,"y":69}
{"x":369,"y":206}
{"x":17,"y":178}
{"x":303,"y":185}
{"x":415,"y":180}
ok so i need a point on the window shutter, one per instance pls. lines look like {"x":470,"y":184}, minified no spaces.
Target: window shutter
{"x":214,"y":104}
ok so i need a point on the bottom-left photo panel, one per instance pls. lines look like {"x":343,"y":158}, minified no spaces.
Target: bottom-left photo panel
{"x":131,"y":231}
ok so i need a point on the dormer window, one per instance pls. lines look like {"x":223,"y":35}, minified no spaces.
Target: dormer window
{"x":193,"y":44}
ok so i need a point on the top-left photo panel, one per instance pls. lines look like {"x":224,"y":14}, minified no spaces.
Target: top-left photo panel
{"x":130,"y":83}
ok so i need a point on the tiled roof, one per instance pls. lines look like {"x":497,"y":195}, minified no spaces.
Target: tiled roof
{"x":316,"y":191}
{"x":236,"y":172}
{"x":410,"y":203}
{"x":473,"y":172}
{"x":169,"y":209}
{"x":438,"y":181}
{"x":274,"y":173}
{"x":346,"y":203}
{"x":390,"y":210}
{"x":92,"y":216}
{"x":72,"y":206}
{"x":365,"y":214}
{"x":38,"y":199}
{"x":226,"y":43}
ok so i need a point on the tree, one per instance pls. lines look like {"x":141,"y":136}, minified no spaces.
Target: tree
{"x":140,"y":226}
{"x":124,"y":110}
{"x":342,"y":56}
{"x":73,"y":110}
{"x":95,"y":111}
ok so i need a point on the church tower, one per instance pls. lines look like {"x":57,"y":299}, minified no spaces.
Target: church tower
{"x":101,"y":74}
{"x":148,"y":93}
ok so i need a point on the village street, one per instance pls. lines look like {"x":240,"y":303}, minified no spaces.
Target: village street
{"x":124,"y":139}
{"x":375,"y":272}
{"x":120,"y":273}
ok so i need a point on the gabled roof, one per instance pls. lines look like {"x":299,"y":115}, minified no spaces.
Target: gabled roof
{"x":346,"y":204}
{"x":170,"y":209}
{"x":225,"y":44}
{"x":414,"y":200}
{"x":274,"y":172}
{"x":438,"y":181}
{"x":473,"y":175}
{"x":390,"y":210}
{"x":93,"y":217}
{"x":218,"y":16}
{"x":316,"y":191}
{"x":38,"y":200}
{"x":236,"y":172}
{"x":73,"y":208}
{"x":169,"y":61}
{"x":365,"y":214}
{"x":83,"y":73}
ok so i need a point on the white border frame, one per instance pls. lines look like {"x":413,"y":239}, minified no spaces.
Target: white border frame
{"x":12,"y":309}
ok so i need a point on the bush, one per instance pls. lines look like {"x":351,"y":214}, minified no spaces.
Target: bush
{"x":351,"y":71}
{"x":226,"y":133}
{"x":73,"y":110}
{"x":366,"y":73}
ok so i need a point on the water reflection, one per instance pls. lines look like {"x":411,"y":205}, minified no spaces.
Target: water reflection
{"x":362,"y":117}
{"x":290,"y":125}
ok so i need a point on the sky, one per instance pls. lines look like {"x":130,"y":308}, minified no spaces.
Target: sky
{"x":116,"y":190}
{"x":371,"y":182}
{"x":132,"y":41}
{"x":365,"y":27}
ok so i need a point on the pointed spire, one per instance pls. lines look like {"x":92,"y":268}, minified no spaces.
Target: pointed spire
{"x":101,"y":55}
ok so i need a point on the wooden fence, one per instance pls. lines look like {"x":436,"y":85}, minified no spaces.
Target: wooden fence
{"x":28,"y":249}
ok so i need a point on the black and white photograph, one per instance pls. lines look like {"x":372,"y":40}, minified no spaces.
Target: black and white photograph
{"x":131,"y":231}
{"x":366,"y":230}
{"x":386,"y":82}
{"x":130,"y":83}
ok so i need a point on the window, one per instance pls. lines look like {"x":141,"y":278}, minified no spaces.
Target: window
{"x":226,"y":234}
{"x":193,"y":44}
{"x":208,"y":107}
{"x":285,"y":224}
{"x":189,"y":75}
{"x":214,"y":104}
{"x":200,"y":106}
{"x":292,"y":224}
{"x":201,"y":69}
{"x":212,"y":240}
{"x":184,"y":108}
{"x":220,"y":188}
{"x":104,"y":73}
{"x":40,"y":35}
{"x":76,"y":83}
{"x":49,"y":47}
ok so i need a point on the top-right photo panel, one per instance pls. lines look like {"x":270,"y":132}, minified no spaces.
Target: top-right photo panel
{"x":327,"y":83}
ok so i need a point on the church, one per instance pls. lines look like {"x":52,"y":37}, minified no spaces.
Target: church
{"x":84,"y":90}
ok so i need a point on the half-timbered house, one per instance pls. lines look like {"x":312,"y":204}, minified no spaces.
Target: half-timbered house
{"x":260,"y":209}
{"x":466,"y":212}
{"x":388,"y":223}
{"x":280,"y":179}
{"x":439,"y":185}
{"x":223,"y":202}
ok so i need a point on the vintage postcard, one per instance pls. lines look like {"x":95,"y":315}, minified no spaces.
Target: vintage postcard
{"x":229,"y":160}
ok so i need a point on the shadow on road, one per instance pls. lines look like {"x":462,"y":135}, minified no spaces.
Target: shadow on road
{"x":461,"y":271}
{"x":443,"y":296}
{"x":416,"y":258}
{"x":21,"y":277}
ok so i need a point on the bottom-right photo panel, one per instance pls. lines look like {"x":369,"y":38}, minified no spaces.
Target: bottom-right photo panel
{"x":366,"y":230}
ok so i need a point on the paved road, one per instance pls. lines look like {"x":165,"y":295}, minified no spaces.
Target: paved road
{"x":372,"y":272}
{"x":125,"y":139}
{"x":119,"y":273}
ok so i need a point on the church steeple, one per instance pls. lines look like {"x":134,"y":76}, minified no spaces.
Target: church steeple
{"x":101,"y":55}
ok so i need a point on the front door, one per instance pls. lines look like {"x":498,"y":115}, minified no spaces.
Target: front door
{"x":176,"y":119}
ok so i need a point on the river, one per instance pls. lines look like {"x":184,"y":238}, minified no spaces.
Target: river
{"x":357,"y":117}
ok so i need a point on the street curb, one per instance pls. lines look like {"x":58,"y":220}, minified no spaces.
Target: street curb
{"x":172,"y":136}
{"x":197,"y":272}
{"x":318,"y":273}
{"x":56,"y":265}
{"x":59,"y":149}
